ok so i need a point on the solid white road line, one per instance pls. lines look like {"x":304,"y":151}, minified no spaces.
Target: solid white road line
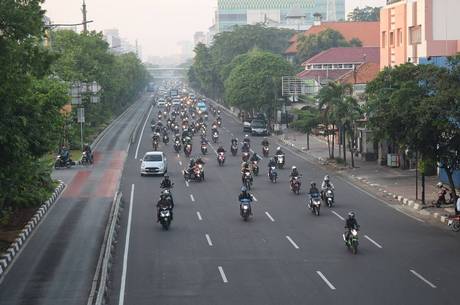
{"x":422,"y":278}
{"x":209,"y":240}
{"x":292,"y":242}
{"x":121,"y":300}
{"x":338,"y":215}
{"x":222,"y":274}
{"x":186,"y":183}
{"x":325,"y":280}
{"x":269,"y":216}
{"x":192,"y":198}
{"x":373,"y":241}
{"x":199,"y":216}
{"x":142,"y":133}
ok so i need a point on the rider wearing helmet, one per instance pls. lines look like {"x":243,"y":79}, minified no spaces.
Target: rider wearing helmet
{"x":166,"y":182}
{"x":245,"y":195}
{"x":294,"y":173}
{"x":313,"y":192}
{"x":350,"y":224}
{"x":265,"y":142}
{"x":220,"y":150}
{"x":279,"y":151}
{"x":245,"y":168}
{"x":246,"y":139}
{"x":325,"y":185}
{"x":165,"y":202}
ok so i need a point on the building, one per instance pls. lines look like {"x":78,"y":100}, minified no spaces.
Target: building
{"x":419,"y":31}
{"x":357,"y":66}
{"x":293,"y":14}
{"x":112,"y":36}
{"x":119,"y":45}
{"x":366,"y":32}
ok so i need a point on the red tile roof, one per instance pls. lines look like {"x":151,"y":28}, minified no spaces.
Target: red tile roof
{"x":364,"y":74}
{"x":346,"y":55}
{"x":366,"y":31}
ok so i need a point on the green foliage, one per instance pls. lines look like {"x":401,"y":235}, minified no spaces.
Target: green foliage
{"x":309,"y":46}
{"x":306,"y":120}
{"x":212,"y":66}
{"x":256,"y":81}
{"x":365,"y":14}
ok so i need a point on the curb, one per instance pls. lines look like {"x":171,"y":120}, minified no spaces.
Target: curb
{"x":8,"y":257}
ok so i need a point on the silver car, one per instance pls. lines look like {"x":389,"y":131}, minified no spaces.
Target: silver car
{"x":154,"y":163}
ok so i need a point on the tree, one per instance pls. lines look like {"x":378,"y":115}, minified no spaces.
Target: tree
{"x":306,"y":121}
{"x":256,"y":81}
{"x":29,"y":110}
{"x":365,"y":14}
{"x":309,"y":46}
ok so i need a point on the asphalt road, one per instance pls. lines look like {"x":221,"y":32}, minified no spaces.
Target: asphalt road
{"x":58,"y":263}
{"x":284,"y":254}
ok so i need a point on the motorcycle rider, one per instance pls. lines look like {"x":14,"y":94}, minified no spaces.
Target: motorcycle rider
{"x":313,"y":192}
{"x":294,"y":173}
{"x":244,"y":169}
{"x":279,"y":151}
{"x":350,"y":224}
{"x":234,"y":141}
{"x":247,"y":140}
{"x":245,"y":195}
{"x":166,"y":182}
{"x":325,"y":185}
{"x":265,"y":142}
{"x":220,"y":150}
{"x":89,"y":154}
{"x":64,"y":153}
{"x":164,"y":203}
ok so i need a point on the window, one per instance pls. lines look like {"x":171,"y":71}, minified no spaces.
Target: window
{"x":308,"y":67}
{"x":384,"y":41}
{"x":398,"y":33}
{"x":232,"y":17}
{"x":327,"y":67}
{"x":392,"y":39}
{"x":153,"y":158}
{"x":415,"y":34}
{"x":317,"y":67}
{"x":400,"y":37}
{"x":348,"y":66}
{"x":338,"y":66}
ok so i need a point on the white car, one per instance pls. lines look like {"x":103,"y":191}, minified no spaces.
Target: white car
{"x":176,"y":102}
{"x":154,"y":163}
{"x":161,"y":103}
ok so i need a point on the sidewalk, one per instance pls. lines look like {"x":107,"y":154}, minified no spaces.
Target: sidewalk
{"x":390,"y":183}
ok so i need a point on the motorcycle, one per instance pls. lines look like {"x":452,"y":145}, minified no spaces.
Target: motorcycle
{"x":196,"y":174}
{"x":329,"y":197}
{"x":265,"y":151}
{"x":295,"y":185}
{"x":85,"y":159}
{"x":280,"y":161}
{"x":155,"y":144}
{"x":245,"y":209}
{"x":159,"y":117}
{"x":247,"y":180}
{"x":246,"y":147}
{"x":204,"y":148}
{"x":272,"y":174}
{"x":221,"y":159}
{"x":255,"y":168}
{"x":315,"y":204}
{"x":442,"y":200}
{"x":165,"y":218}
{"x":234,"y":149}
{"x":352,"y":241}
{"x":165,"y":139}
{"x":188,"y":150}
{"x":177,"y":146}
{"x":245,"y":156}
{"x":454,"y":223}
{"x":219,"y":123}
{"x":60,"y":162}
{"x":215,"y":137}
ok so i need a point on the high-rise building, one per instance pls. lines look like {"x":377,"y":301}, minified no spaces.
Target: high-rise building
{"x":199,"y":37}
{"x":292,"y":14}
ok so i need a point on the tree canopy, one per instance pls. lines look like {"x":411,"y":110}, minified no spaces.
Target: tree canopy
{"x":310,"y":45}
{"x":256,"y":80}
{"x":367,"y":13}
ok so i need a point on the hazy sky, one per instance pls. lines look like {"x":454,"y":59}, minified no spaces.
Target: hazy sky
{"x":157,"y":24}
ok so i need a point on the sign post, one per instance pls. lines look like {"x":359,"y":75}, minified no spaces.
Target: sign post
{"x":81,"y":120}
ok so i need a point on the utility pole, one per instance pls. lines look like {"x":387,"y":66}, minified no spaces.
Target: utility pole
{"x":85,"y":26}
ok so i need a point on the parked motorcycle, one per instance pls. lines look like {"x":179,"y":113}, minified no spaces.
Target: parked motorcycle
{"x":442,"y":199}
{"x":454,"y":223}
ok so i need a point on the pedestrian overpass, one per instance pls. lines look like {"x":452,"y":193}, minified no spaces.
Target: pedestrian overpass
{"x":168,"y":73}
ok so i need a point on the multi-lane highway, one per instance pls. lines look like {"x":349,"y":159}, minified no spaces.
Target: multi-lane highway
{"x":58,"y":264}
{"x":284,"y":254}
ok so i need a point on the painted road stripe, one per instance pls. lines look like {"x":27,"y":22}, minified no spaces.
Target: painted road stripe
{"x":199,"y":216}
{"x":255,"y":199}
{"x":142,"y":133}
{"x":338,"y":215}
{"x":186,"y":183}
{"x":180,"y":163}
{"x":292,"y":242}
{"x":192,"y":198}
{"x":222,"y":274}
{"x":422,"y":278}
{"x":373,"y":241}
{"x":325,"y":280}
{"x":270,"y":216}
{"x":121,"y":300}
{"x":209,"y":240}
